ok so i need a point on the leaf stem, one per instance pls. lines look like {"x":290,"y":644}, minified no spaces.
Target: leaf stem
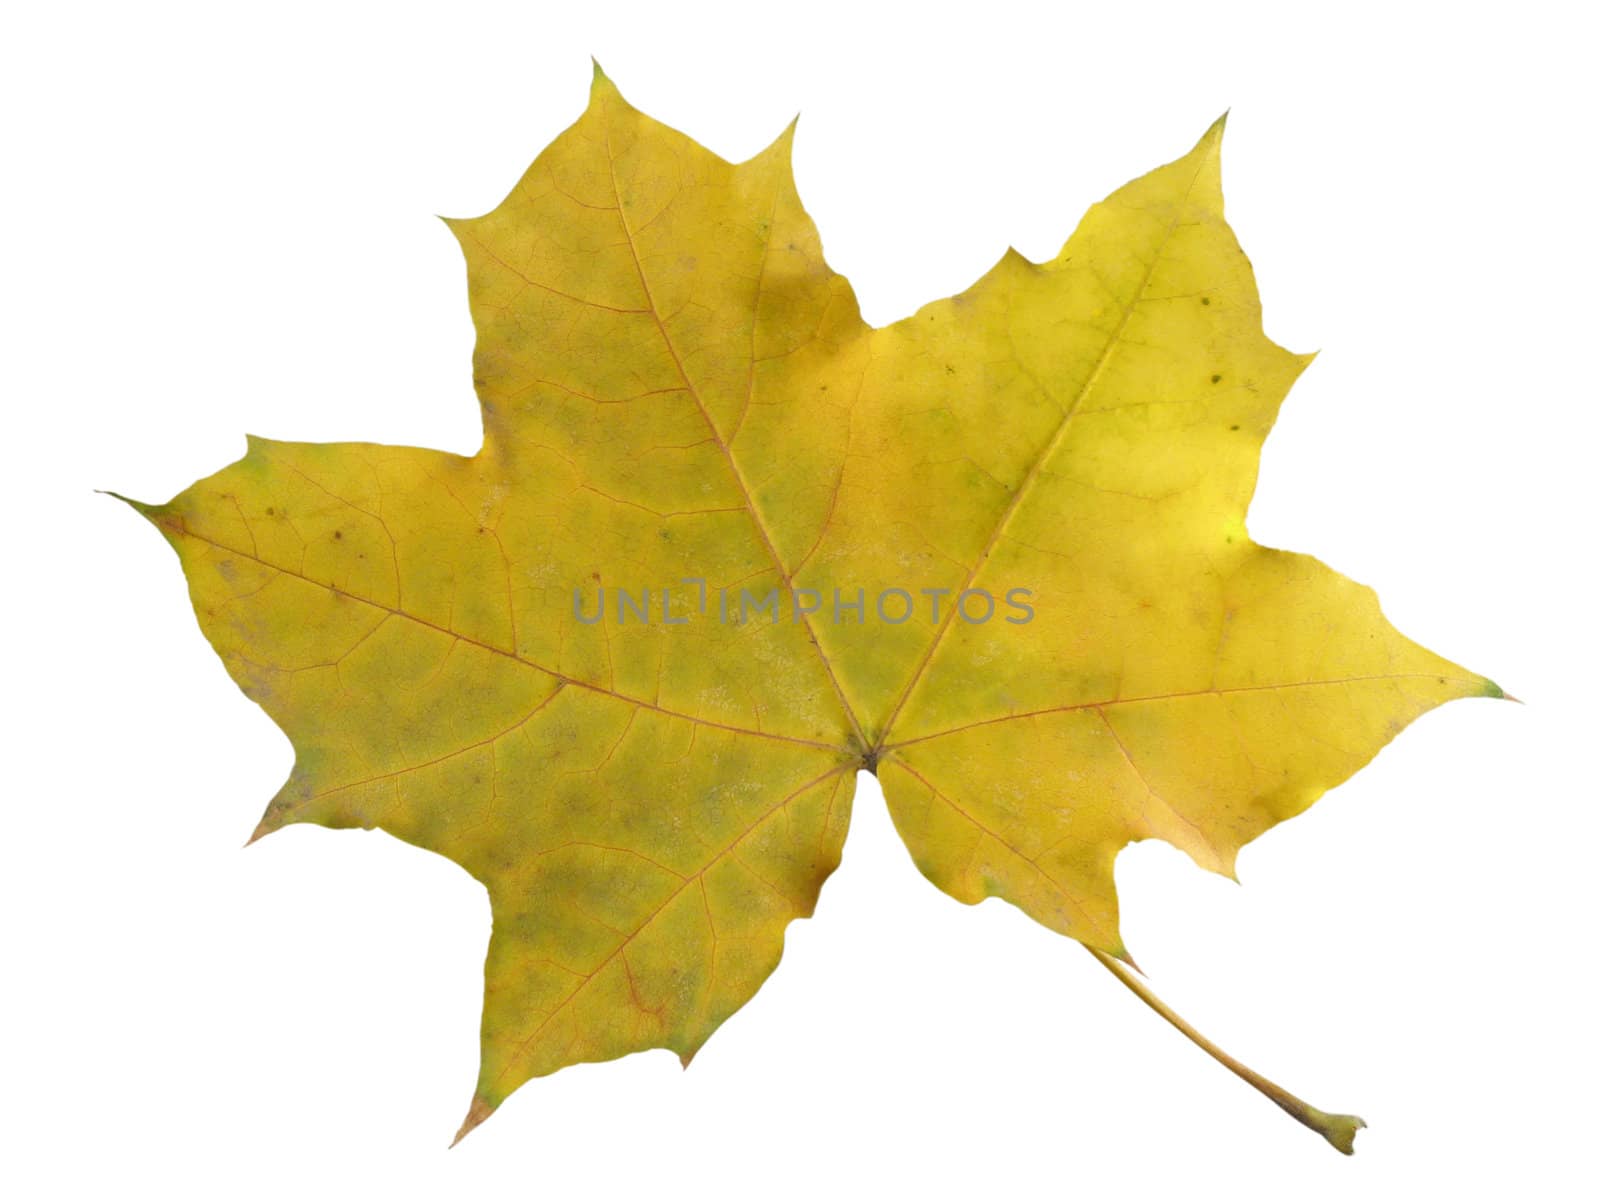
{"x":1338,"y":1129}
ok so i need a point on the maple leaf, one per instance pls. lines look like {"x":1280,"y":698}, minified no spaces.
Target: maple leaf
{"x":725,"y":545}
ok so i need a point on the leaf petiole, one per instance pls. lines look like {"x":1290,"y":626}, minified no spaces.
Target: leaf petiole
{"x":1338,"y":1129}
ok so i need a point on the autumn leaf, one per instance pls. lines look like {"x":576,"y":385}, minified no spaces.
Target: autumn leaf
{"x":725,"y":545}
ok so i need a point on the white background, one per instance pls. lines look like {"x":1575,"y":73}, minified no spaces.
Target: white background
{"x":219,"y":219}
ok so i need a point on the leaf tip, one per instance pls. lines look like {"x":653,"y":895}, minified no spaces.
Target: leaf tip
{"x":1014,"y":258}
{"x":1216,"y":129}
{"x":1203,"y":188}
{"x":601,"y":85}
{"x":1491,"y":689}
{"x":784,"y":142}
{"x":144,"y":508}
{"x":272,"y":820}
{"x":480,"y":1109}
{"x":1120,"y":953}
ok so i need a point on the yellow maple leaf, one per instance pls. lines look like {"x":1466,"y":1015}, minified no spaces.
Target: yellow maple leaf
{"x":725,"y":545}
